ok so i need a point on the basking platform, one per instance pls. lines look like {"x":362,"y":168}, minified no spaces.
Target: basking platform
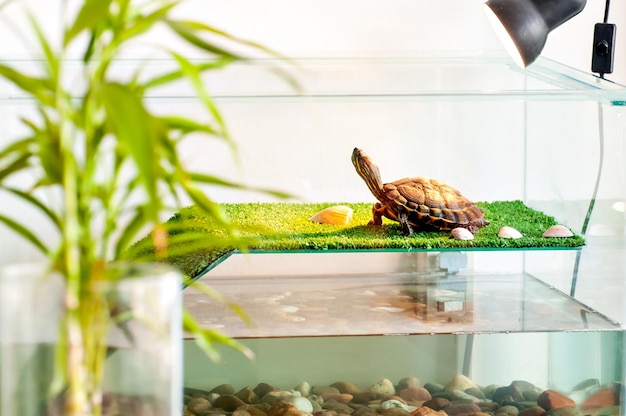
{"x":278,"y":227}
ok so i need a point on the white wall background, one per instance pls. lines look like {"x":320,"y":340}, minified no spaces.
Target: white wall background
{"x":325,"y":28}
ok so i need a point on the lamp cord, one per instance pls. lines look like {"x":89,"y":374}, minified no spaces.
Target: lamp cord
{"x":594,"y":195}
{"x":606,"y":11}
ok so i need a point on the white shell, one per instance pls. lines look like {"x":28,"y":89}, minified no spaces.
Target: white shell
{"x":509,"y":232}
{"x":461,"y":233}
{"x":558,"y":231}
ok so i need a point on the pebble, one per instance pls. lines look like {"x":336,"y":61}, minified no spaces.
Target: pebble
{"x":228,"y":402}
{"x":283,"y":408}
{"x":262,"y":389}
{"x":507,"y":411}
{"x":444,"y":394}
{"x":223,"y":389}
{"x":340,"y":408}
{"x":509,"y":232}
{"x":304,"y":388}
{"x":605,"y":397}
{"x":408,"y":382}
{"x":533,"y":411}
{"x":454,"y":409}
{"x":552,"y":399}
{"x":461,"y":395}
{"x":324,"y":390}
{"x":510,"y":393}
{"x":325,"y":413}
{"x":366,"y":397}
{"x":301,"y":403}
{"x":384,"y":387}
{"x":275,"y":395}
{"x":563,"y":411}
{"x":249,"y":410}
{"x":436,"y":403}
{"x":459,"y":382}
{"x":247,"y":395}
{"x":461,"y":233}
{"x":476,"y":392}
{"x":427,"y":411}
{"x":433,"y":387}
{"x":341,"y":398}
{"x":490,"y":389}
{"x":198,"y":406}
{"x":558,"y":231}
{"x":415,"y":394}
{"x":346,"y":387}
{"x":395,"y":411}
{"x":389,"y":404}
{"x":489,"y":407}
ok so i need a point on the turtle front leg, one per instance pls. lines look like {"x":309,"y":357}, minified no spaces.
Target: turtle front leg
{"x":407,"y":229}
{"x":377,"y":214}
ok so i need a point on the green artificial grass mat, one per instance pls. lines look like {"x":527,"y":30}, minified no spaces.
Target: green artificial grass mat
{"x":286,"y":227}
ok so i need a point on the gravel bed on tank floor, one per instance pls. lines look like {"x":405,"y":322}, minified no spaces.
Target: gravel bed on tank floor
{"x":406,"y":397}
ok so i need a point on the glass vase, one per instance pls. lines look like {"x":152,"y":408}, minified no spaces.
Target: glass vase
{"x":138,"y":372}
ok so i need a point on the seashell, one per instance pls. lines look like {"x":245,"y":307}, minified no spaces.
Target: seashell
{"x":461,"y":233}
{"x":336,"y":215}
{"x":558,"y":231}
{"x":509,"y":232}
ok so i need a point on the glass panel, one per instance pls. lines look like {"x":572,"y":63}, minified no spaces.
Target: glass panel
{"x":295,"y":295}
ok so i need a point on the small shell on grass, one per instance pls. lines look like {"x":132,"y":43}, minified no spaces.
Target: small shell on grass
{"x":461,"y":233}
{"x":336,"y":215}
{"x":558,"y":231}
{"x":509,"y":232}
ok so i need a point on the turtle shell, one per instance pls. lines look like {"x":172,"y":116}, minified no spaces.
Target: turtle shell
{"x":430,"y":203}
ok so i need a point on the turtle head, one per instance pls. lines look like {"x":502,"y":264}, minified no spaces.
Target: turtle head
{"x":367,"y":170}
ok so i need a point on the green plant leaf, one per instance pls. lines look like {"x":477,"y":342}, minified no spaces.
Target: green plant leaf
{"x":52,"y":216}
{"x":192,"y":73}
{"x":18,"y":164}
{"x":24,"y":232}
{"x":51,"y":59}
{"x":191,"y":30}
{"x":92,"y":12}
{"x":40,"y":88}
{"x":207,"y":338}
{"x":48,"y":139}
{"x":214,"y":180}
{"x":215,"y":295}
{"x":171,"y":76}
{"x":210,"y":207}
{"x":188,"y":30}
{"x":137,"y":132}
{"x":186,"y":125}
{"x":129,"y":232}
{"x":143,"y":24}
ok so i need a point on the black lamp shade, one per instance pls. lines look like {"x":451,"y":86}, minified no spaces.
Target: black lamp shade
{"x":528,"y":22}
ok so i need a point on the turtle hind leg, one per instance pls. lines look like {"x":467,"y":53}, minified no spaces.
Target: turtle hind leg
{"x":407,"y":229}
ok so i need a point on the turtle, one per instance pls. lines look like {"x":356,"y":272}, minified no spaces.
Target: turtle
{"x":417,"y":203}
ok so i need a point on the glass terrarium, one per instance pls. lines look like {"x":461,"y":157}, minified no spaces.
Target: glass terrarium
{"x":390,"y":329}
